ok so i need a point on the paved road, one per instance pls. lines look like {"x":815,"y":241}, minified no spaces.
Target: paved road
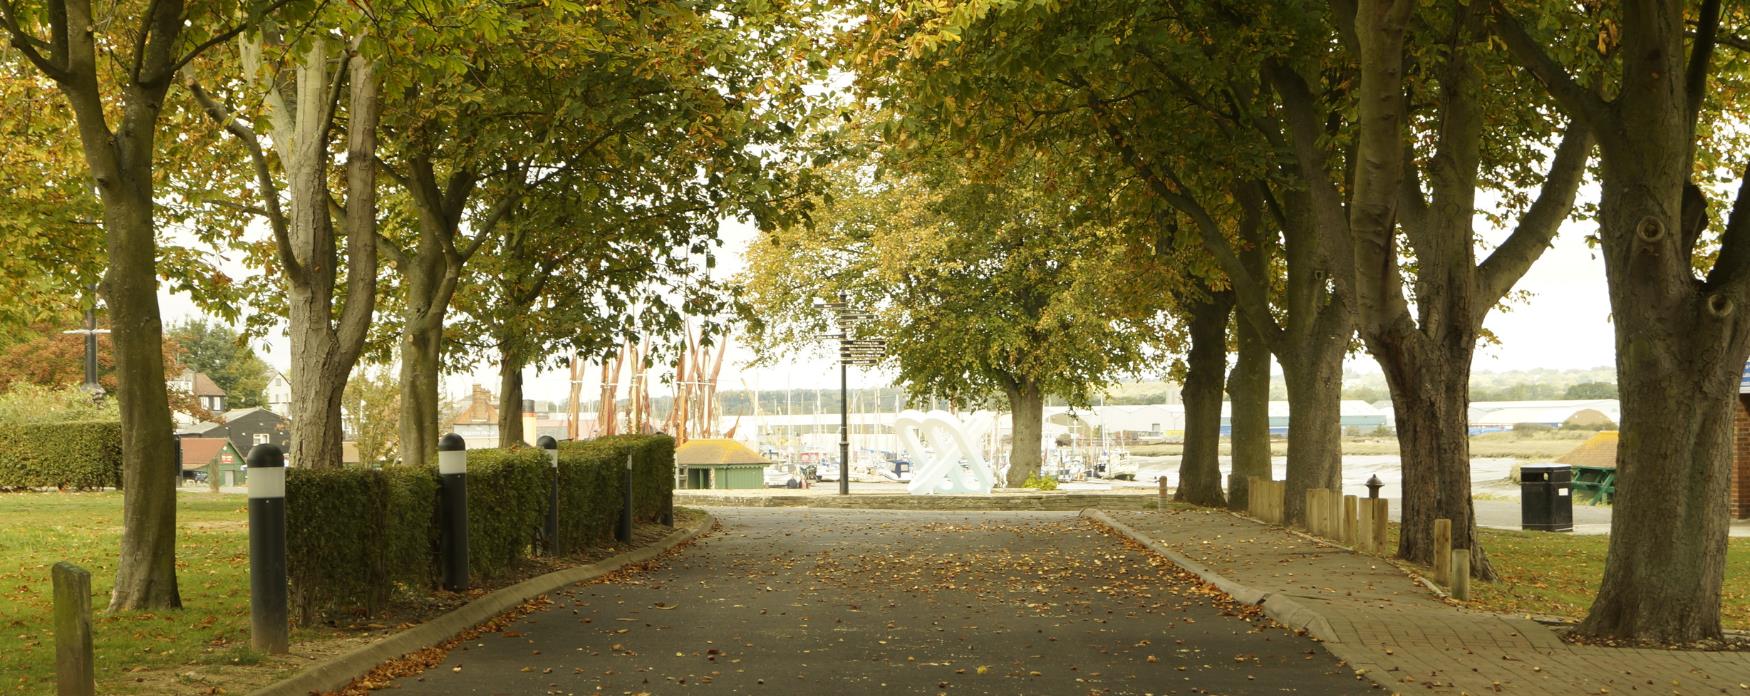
{"x":796,"y":601}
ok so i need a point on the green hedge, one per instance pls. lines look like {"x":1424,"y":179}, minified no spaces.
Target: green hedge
{"x":80,"y":455}
{"x":355,"y":536}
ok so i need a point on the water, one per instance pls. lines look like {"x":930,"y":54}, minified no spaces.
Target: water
{"x":1486,"y":473}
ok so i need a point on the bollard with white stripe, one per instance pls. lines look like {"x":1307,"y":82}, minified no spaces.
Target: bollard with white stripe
{"x":551,"y":447}
{"x":623,"y":531}
{"x":453,"y":475}
{"x":270,"y":628}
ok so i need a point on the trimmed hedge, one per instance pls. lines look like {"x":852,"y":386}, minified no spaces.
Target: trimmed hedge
{"x":356,"y":537}
{"x":79,"y":455}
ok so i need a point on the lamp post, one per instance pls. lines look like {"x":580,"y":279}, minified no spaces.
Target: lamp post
{"x":90,"y":333}
{"x":852,"y":351}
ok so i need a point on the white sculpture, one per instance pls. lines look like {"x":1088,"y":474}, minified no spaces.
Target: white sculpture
{"x":956,"y":465}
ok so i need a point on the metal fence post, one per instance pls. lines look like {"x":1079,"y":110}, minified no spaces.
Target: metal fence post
{"x":453,"y":473}
{"x":551,"y":447}
{"x":268,"y":617}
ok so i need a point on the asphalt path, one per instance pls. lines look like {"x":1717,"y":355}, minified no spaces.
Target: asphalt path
{"x":798,"y":601}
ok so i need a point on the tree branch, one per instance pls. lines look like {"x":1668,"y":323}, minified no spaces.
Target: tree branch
{"x":27,"y":44}
{"x":1582,"y":104}
{"x":1700,"y":54}
{"x":270,"y":194}
{"x":1497,"y":274}
{"x":170,"y":67}
{"x":1731,"y":271}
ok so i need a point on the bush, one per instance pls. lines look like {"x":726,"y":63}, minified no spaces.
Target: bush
{"x":80,"y":455}
{"x":1531,"y":428}
{"x":31,"y":403}
{"x":1040,"y":482}
{"x":356,"y":537}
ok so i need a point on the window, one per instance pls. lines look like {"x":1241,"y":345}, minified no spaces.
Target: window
{"x":261,"y":438}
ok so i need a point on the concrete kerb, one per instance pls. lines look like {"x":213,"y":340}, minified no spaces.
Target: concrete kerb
{"x":336,"y":672}
{"x":1282,"y":608}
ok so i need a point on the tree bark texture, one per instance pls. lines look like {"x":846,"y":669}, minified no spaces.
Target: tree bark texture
{"x":1681,"y":341}
{"x":1248,"y":385}
{"x":1027,"y":419}
{"x":1200,"y":465}
{"x":510,"y":400}
{"x":421,"y":360}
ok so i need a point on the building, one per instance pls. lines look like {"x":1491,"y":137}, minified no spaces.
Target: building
{"x":245,"y":428}
{"x":719,"y":463}
{"x":278,"y":393}
{"x":210,"y":456}
{"x":206,"y":392}
{"x":477,"y":423}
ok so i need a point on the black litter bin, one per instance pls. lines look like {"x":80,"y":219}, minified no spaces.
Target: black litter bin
{"x":1546,"y":501}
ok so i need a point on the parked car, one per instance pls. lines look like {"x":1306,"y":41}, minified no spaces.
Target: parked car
{"x":783,"y":475}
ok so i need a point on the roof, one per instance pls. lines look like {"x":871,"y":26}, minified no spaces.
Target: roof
{"x":1598,"y":450}
{"x":197,"y":452}
{"x":200,"y":428}
{"x":715,"y":452}
{"x":234,"y":414}
{"x":482,"y":408}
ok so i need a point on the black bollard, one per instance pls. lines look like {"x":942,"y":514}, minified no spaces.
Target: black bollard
{"x":551,"y":447}
{"x":623,"y":531}
{"x":268,"y":618}
{"x":453,"y":473}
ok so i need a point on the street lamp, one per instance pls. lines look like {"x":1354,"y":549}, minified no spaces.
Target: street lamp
{"x":862,"y":352}
{"x":90,"y":333}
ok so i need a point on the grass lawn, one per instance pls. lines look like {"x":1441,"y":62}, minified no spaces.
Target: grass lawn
{"x":1557,"y":575}
{"x":204,"y":648}
{"x":212,"y":562}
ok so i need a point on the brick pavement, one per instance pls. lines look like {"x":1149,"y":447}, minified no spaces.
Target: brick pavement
{"x":1386,"y":625}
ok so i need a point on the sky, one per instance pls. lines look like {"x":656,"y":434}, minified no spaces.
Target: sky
{"x":1564,"y":323}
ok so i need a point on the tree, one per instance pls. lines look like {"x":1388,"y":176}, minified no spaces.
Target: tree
{"x":54,"y":247}
{"x":116,"y":105}
{"x":667,"y":82}
{"x":372,"y":404}
{"x":300,"y":107}
{"x":225,"y":356}
{"x":1591,"y":390}
{"x":1681,"y":334}
{"x":986,"y":281}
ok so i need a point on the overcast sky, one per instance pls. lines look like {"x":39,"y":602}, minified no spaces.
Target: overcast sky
{"x":1564,"y":324}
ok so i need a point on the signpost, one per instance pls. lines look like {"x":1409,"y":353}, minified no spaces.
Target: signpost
{"x":861,"y":352}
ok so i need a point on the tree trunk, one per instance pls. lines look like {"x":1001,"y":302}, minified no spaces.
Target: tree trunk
{"x":1027,"y":418}
{"x":1431,"y":404}
{"x":1315,"y":396}
{"x":1200,"y":466}
{"x":510,"y":400}
{"x":146,"y":572}
{"x":420,"y":356}
{"x":1248,"y":389}
{"x":1679,"y":354}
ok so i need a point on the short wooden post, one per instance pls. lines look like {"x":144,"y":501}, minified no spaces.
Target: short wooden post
{"x":1311,"y":513}
{"x":1252,"y":499}
{"x":1161,"y":499}
{"x":1279,"y":502}
{"x":1443,"y":552}
{"x":1350,"y":506}
{"x":1364,"y":526}
{"x":1460,"y":561}
{"x":74,"y":675}
{"x":1381,"y":525}
{"x":1334,"y":513}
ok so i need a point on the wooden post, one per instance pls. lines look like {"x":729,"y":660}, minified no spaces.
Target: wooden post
{"x":1312,"y":511}
{"x":1252,"y":499}
{"x":1460,"y":561}
{"x":1443,"y":552}
{"x":1161,"y":502}
{"x":1334,"y":514}
{"x":74,"y":675}
{"x":1364,"y":526}
{"x":1381,"y":525}
{"x":1350,"y":505}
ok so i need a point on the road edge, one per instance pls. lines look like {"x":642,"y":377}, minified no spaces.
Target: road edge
{"x":1282,"y":608}
{"x":336,"y":672}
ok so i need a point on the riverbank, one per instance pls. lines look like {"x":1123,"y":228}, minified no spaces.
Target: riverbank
{"x":1535,"y":446}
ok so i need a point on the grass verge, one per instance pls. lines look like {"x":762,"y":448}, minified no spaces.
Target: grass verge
{"x":203,"y":648}
{"x":1545,"y":574}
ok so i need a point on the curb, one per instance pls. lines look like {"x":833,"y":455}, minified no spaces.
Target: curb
{"x":336,"y":672}
{"x":1282,"y":608}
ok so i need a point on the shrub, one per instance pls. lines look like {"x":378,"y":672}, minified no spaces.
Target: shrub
{"x":32,"y":403}
{"x":354,"y":537}
{"x":1531,"y":428}
{"x":1040,"y":482}
{"x":81,"y":455}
